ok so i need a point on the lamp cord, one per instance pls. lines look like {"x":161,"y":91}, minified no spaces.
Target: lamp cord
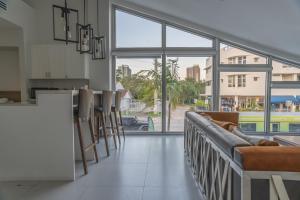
{"x":84,"y":22}
{"x":98,"y":18}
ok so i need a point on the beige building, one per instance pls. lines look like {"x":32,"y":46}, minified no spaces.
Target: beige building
{"x":246,"y":90}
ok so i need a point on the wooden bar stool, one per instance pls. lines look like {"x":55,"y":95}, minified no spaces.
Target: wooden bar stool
{"x":83,"y":114}
{"x":116,"y":108}
{"x":103,"y":115}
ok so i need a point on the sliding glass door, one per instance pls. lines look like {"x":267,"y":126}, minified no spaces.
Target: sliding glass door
{"x":165,"y":70}
{"x":141,"y":104}
{"x":188,"y":88}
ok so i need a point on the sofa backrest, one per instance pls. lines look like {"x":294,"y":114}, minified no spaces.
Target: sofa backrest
{"x":225,"y":140}
{"x":198,"y":120}
{"x":221,"y":137}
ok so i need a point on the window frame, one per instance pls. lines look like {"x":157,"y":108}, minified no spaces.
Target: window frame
{"x":217,"y":67}
{"x":231,"y":81}
{"x":241,"y":80}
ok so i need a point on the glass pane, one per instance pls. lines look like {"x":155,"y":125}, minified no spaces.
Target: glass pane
{"x":181,"y":38}
{"x":244,"y":92}
{"x":133,"y":31}
{"x":285,"y":110}
{"x":233,"y":55}
{"x":141,"y":106}
{"x":284,"y":72}
{"x":186,"y":88}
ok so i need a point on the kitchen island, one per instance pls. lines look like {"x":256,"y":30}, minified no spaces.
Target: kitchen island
{"x":37,"y":139}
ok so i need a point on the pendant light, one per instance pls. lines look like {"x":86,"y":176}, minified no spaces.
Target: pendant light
{"x":65,"y":20}
{"x":98,"y":41}
{"x":85,"y":34}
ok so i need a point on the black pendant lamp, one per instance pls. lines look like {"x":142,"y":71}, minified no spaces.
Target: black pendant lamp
{"x":98,"y":41}
{"x":65,"y":20}
{"x":85,"y":35}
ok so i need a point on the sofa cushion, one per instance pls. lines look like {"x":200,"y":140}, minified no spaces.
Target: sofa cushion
{"x":225,"y":140}
{"x":254,"y":140}
{"x":259,"y":158}
{"x":251,"y":139}
{"x":264,"y":142}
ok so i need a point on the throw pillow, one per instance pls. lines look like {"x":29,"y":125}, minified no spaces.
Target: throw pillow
{"x":264,"y":142}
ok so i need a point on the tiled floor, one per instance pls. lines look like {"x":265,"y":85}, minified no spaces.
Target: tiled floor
{"x":144,"y":168}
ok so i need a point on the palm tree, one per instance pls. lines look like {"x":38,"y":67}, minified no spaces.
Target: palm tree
{"x":155,"y":76}
{"x":172,"y":78}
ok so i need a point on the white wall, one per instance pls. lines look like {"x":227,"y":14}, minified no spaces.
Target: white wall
{"x":101,"y":70}
{"x":22,"y":15}
{"x":9,"y":69}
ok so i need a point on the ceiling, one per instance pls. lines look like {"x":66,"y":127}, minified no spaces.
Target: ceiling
{"x":272,"y":23}
{"x":29,"y":2}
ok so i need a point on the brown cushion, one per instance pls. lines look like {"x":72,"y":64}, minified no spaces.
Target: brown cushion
{"x":224,"y":116}
{"x":259,"y":158}
{"x":232,"y":127}
{"x":264,"y":142}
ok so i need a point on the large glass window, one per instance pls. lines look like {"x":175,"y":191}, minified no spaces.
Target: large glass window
{"x":285,"y":109}
{"x":189,"y":80}
{"x":186,"y":88}
{"x":180,"y":38}
{"x":285,"y":101}
{"x":247,"y":99}
{"x":141,"y":105}
{"x":134,"y":31}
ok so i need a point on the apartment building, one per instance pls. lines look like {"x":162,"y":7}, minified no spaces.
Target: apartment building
{"x":124,"y":70}
{"x":242,"y":90}
{"x":193,"y":73}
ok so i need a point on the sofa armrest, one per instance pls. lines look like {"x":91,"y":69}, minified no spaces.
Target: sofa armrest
{"x":259,"y":158}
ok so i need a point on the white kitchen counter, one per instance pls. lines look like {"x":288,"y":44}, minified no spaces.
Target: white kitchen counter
{"x":37,"y":140}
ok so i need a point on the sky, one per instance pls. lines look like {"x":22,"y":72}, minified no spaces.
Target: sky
{"x":137,"y":64}
{"x":133,"y":31}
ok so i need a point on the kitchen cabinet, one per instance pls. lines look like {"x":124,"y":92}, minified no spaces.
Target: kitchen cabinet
{"x":58,"y":62}
{"x":40,"y":62}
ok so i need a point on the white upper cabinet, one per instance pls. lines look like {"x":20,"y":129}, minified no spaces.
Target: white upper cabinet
{"x":40,"y":62}
{"x":58,"y":62}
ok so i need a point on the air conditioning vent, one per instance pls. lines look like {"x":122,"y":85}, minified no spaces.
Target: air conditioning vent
{"x":3,"y":4}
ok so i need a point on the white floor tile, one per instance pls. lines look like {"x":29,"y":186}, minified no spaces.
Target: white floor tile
{"x":144,"y":168}
{"x":113,"y":193}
